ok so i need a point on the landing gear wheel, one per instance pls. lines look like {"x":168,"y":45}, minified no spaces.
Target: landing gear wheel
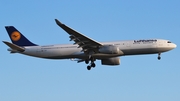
{"x":93,"y":65}
{"x":88,"y":67}
{"x":87,"y":61}
{"x":159,"y":58}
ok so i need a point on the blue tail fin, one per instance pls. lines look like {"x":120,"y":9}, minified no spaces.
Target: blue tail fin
{"x":17,"y":38}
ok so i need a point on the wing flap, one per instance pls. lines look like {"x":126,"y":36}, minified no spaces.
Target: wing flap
{"x":80,"y":39}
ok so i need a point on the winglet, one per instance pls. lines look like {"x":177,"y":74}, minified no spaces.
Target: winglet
{"x":14,"y":47}
{"x":58,"y":22}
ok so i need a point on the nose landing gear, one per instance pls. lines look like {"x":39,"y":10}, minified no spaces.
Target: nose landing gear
{"x":159,"y":56}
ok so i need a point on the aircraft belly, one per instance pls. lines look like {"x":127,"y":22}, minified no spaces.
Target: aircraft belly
{"x":144,"y":51}
{"x":139,"y":51}
{"x":66,"y":54}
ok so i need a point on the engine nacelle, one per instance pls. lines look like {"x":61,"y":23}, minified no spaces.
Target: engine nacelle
{"x":110,"y":49}
{"x":111,"y":61}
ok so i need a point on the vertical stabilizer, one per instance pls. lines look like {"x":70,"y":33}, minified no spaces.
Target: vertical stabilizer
{"x":18,"y":38}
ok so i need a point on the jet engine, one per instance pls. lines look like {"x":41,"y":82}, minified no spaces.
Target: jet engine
{"x":111,"y":61}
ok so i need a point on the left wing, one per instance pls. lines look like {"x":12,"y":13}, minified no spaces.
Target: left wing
{"x":83,"y":41}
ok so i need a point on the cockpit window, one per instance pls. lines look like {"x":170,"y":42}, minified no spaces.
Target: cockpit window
{"x":169,"y":42}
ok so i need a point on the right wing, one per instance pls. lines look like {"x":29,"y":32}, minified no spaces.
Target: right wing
{"x":83,"y":41}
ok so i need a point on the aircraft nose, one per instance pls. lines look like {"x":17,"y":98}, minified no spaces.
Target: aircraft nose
{"x":174,"y":45}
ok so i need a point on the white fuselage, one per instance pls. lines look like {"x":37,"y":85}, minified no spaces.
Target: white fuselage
{"x":68,"y":51}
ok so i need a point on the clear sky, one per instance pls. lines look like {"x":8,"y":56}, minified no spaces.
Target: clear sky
{"x":138,"y":78}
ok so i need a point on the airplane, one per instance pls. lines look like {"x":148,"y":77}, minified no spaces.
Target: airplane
{"x":86,"y":49}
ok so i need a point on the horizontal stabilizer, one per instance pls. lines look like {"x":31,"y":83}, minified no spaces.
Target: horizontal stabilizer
{"x":14,"y":47}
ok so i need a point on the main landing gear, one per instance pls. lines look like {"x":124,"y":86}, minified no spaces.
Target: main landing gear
{"x":159,"y":56}
{"x":92,"y":64}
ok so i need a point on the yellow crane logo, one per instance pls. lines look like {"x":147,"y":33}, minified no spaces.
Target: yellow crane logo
{"x":15,"y":36}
